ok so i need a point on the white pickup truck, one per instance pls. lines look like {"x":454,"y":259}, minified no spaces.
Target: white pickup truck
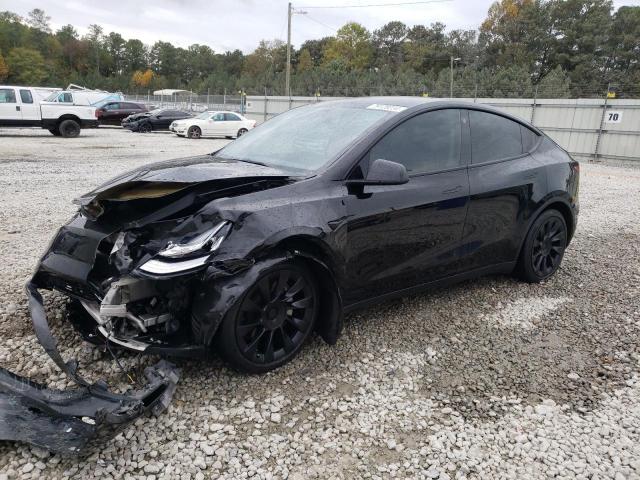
{"x":63,"y":113}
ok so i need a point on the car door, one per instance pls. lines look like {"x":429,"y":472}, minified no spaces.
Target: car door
{"x":10,"y":113}
{"x":161,"y":120}
{"x":30,"y":110}
{"x":504,"y":184}
{"x":233,"y":123}
{"x":401,"y":236}
{"x":217,"y":125}
{"x":111,"y":113}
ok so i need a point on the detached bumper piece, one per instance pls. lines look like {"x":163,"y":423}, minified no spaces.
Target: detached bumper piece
{"x":71,"y":422}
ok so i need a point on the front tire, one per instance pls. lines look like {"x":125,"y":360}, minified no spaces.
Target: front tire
{"x":194,"y":132}
{"x":272,"y":321}
{"x":55,"y":132}
{"x":543,"y":248}
{"x":145,"y":128}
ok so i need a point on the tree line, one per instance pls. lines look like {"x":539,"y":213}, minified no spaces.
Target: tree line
{"x":548,"y":48}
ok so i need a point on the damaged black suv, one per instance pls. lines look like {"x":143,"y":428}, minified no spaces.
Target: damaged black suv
{"x":323,"y":209}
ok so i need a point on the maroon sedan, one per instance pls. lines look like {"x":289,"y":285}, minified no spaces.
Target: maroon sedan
{"x":113,"y":113}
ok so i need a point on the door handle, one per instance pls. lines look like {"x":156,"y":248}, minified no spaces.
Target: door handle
{"x":17,"y":108}
{"x":455,"y":189}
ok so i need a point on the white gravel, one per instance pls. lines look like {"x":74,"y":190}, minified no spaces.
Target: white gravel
{"x":488,"y":379}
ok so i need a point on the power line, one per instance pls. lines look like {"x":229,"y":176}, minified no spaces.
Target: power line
{"x":398,"y":4}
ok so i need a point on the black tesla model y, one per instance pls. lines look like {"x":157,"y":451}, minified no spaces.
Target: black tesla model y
{"x":323,"y":209}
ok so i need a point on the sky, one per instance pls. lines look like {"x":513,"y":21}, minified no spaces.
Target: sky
{"x":230,"y":24}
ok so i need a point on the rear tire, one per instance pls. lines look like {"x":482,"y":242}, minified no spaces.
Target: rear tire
{"x":543,"y":248}
{"x":69,"y":128}
{"x":241,"y":132}
{"x":194,"y":132}
{"x":272,"y":320}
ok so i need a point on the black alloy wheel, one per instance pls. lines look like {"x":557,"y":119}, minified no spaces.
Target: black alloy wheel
{"x":145,"y":127}
{"x":273,"y":320}
{"x":544,"y":247}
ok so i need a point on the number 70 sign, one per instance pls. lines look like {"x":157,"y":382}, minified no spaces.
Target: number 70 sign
{"x":612,"y":116}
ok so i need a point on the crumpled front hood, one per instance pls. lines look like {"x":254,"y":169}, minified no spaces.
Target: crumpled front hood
{"x":163,"y":178}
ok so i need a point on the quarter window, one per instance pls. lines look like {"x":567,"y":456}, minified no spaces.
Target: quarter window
{"x":7,"y":95}
{"x":428,"y":142}
{"x":529,"y":138}
{"x":25,"y":96}
{"x":493,"y":137}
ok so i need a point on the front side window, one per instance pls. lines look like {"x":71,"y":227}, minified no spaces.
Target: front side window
{"x":493,"y":137}
{"x":426,"y":143}
{"x":218,"y":117}
{"x":7,"y":95}
{"x":25,"y":96}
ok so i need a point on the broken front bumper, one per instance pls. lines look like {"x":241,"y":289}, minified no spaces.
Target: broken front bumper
{"x":71,"y":422}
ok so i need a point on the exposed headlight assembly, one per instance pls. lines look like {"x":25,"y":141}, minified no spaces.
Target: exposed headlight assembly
{"x":193,"y":253}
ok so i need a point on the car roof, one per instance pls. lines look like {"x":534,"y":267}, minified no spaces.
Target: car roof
{"x":415,"y":103}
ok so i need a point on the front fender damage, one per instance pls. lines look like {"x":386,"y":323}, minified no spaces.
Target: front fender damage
{"x":220,"y":292}
{"x":71,"y":422}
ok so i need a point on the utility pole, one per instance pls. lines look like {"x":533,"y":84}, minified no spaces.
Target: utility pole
{"x":451,"y":82}
{"x":290,"y":13}
{"x":287,"y":86}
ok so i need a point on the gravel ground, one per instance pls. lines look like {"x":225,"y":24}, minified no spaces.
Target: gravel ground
{"x":488,"y":379}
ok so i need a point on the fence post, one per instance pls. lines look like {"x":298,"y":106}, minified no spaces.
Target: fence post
{"x":148,"y":96}
{"x":596,"y":154}
{"x":535,"y":102}
{"x":475,"y":93}
{"x":265,"y":105}
{"x":224,"y":97}
{"x":208,"y":99}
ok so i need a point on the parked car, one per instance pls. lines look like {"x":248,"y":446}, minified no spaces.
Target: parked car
{"x":62,"y":113}
{"x":319,"y":211}
{"x":112,"y":113}
{"x":158,"y":119}
{"x":213,"y":124}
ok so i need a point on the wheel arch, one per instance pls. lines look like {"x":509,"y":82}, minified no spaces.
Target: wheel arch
{"x":317,"y":257}
{"x":556,"y":203}
{"x":68,"y":116}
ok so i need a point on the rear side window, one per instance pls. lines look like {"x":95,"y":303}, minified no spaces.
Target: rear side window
{"x":7,"y":95}
{"x":493,"y":137}
{"x":231,"y":117}
{"x":65,"y":98}
{"x":428,"y":142}
{"x":25,"y":96}
{"x":529,"y":138}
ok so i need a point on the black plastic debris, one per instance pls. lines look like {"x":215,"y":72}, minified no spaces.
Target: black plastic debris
{"x":72,"y":422}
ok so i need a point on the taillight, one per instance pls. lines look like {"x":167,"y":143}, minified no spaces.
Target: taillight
{"x":98,"y":113}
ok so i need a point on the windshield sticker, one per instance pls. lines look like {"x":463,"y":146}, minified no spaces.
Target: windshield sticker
{"x":386,"y":108}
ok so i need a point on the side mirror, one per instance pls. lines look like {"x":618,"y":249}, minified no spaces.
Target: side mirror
{"x":384,"y":172}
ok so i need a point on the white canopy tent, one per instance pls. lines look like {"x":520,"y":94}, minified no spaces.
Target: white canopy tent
{"x":168,"y":92}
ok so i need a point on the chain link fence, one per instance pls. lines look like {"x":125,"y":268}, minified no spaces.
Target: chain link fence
{"x":189,"y":102}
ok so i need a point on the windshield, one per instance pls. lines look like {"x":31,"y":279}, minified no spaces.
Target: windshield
{"x":205,"y":115}
{"x":303,"y":139}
